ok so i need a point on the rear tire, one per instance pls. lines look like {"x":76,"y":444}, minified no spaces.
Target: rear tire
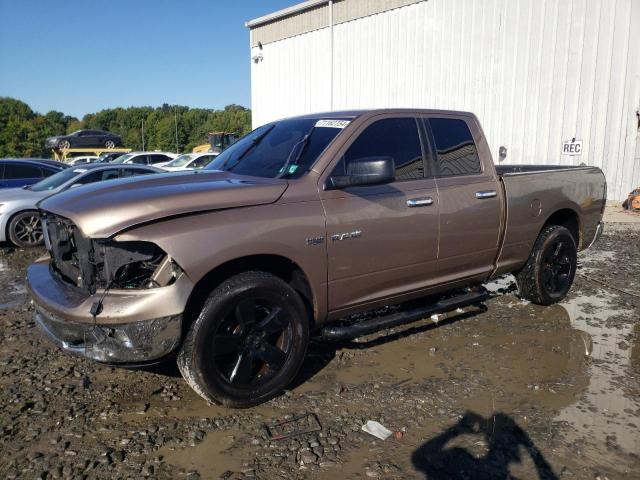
{"x":25,"y":229}
{"x":110,"y":144}
{"x":248,"y":342}
{"x":549,"y":272}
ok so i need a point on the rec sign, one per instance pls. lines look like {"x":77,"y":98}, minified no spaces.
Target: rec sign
{"x":572,"y":147}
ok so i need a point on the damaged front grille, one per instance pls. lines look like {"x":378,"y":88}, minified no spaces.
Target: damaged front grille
{"x":92,"y":264}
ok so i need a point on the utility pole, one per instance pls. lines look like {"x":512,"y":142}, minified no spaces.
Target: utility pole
{"x":175,"y":121}
{"x":143,"y":135}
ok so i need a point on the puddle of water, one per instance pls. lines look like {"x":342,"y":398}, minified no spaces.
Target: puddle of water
{"x":518,"y":359}
{"x":210,"y":458}
{"x":606,"y":412}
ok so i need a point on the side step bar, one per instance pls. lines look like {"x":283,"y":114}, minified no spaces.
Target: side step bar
{"x":401,"y":318}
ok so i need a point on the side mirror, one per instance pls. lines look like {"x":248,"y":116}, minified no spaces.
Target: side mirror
{"x":366,"y":171}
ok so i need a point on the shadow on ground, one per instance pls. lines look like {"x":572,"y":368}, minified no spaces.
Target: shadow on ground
{"x":506,"y":444}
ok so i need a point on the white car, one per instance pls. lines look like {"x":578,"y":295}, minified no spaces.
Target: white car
{"x":188,"y":161}
{"x":145,"y":158}
{"x":19,"y":217}
{"x":84,"y":159}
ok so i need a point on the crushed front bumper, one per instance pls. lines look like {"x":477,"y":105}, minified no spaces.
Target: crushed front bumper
{"x":134,"y":327}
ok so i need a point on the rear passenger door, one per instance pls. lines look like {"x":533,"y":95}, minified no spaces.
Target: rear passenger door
{"x":470,"y":208}
{"x":382,"y":240}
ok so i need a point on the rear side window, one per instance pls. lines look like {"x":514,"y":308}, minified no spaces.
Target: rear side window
{"x":391,"y":137}
{"x":15,"y":172}
{"x":132,"y":172}
{"x":457,"y":153}
{"x":100,"y":176}
{"x":158,"y":158}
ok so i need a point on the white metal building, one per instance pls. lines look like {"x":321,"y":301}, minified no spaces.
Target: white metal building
{"x":538,"y":73}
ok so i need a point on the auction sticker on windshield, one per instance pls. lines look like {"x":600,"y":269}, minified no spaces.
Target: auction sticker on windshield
{"x":332,"y":123}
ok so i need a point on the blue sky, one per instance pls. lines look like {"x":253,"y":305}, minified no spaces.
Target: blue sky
{"x":80,"y":56}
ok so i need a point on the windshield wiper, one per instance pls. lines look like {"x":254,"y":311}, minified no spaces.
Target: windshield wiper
{"x":304,"y":142}
{"x":254,"y":143}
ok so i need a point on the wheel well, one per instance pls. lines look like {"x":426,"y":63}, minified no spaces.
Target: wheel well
{"x":277,"y":265}
{"x":569,"y":219}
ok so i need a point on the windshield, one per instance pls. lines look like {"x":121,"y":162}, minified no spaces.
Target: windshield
{"x":122,"y":158}
{"x":295,"y":144}
{"x":56,"y":180}
{"x":180,"y":161}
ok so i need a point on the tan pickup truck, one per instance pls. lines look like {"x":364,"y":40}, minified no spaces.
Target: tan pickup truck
{"x":292,"y":229}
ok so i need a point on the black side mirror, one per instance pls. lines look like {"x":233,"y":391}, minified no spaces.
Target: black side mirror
{"x":365,"y":171}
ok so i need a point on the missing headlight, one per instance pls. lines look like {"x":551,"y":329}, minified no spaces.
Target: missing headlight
{"x":136,"y":265}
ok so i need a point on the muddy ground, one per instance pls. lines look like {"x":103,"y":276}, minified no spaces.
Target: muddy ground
{"x":513,"y":389}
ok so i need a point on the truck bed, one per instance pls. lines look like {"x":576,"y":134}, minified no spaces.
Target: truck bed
{"x":533,"y":193}
{"x":517,"y":169}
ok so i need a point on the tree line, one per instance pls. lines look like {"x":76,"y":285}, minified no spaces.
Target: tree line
{"x":23,"y":131}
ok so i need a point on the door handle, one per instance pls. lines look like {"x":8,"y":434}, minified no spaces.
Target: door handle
{"x":486,"y":194}
{"x":420,"y":202}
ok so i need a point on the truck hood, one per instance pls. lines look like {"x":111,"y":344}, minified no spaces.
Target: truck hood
{"x":102,"y":210}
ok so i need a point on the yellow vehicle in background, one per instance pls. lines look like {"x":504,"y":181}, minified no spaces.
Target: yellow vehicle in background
{"x":218,"y":141}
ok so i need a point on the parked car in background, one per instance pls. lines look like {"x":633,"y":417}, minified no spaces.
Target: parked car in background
{"x":188,"y":161}
{"x":109,"y":157}
{"x":19,"y":219}
{"x":145,"y":158}
{"x":84,"y":159}
{"x":16,"y":173}
{"x":298,"y":225}
{"x":85,"y":138}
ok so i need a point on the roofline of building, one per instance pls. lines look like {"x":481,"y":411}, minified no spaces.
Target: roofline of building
{"x":285,"y":12}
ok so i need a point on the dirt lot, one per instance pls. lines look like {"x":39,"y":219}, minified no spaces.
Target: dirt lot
{"x":513,"y":389}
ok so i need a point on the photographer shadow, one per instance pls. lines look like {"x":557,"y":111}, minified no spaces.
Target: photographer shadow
{"x":506,"y":443}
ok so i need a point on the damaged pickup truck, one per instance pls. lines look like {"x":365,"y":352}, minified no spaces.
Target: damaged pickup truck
{"x":296,"y":227}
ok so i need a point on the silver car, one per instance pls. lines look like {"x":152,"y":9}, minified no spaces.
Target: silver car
{"x":19,"y":220}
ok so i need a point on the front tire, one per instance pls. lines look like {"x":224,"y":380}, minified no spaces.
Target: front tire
{"x":64,"y":145}
{"x":549,"y":272}
{"x":248,"y":342}
{"x":25,"y":229}
{"x":109,"y":144}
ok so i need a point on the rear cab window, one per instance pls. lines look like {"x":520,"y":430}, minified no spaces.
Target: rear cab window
{"x":456,"y":152}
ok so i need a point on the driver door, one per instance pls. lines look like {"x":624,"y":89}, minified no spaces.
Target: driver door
{"x":382,"y":240}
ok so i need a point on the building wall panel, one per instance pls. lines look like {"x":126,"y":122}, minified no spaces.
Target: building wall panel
{"x":536,"y":73}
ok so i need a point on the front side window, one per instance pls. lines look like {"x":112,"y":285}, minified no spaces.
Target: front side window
{"x":457,"y":153}
{"x":100,"y":176}
{"x":392,"y":137}
{"x":140,"y":160}
{"x":202,"y":161}
{"x":14,"y":172}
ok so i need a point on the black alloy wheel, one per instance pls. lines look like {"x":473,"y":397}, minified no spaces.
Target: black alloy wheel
{"x":549,"y":272}
{"x":557,"y":267}
{"x":25,"y":229}
{"x":248,"y":341}
{"x":252,"y":342}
